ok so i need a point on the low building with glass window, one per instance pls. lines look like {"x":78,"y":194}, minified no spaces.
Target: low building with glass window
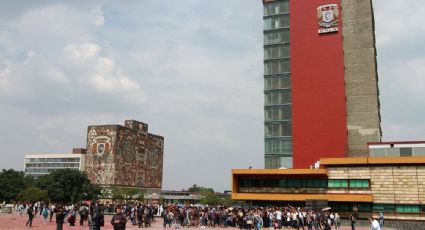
{"x":397,"y":149}
{"x":41,"y":164}
{"x":392,"y":185}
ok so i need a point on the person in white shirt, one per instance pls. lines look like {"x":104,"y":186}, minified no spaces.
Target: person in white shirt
{"x":374,"y":224}
{"x":278,"y":216}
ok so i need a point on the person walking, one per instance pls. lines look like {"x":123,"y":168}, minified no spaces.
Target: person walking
{"x":30,"y":212}
{"x":60,"y":217}
{"x":374,"y":224}
{"x":45,"y":213}
{"x":119,"y":220}
{"x":337,"y":221}
{"x":83,"y":211}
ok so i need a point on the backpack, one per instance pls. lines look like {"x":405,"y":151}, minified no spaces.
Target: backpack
{"x":45,"y":212}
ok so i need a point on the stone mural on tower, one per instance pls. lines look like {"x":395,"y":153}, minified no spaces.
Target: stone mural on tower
{"x":124,"y":155}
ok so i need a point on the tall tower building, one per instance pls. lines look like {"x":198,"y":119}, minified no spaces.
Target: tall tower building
{"x":320,"y":81}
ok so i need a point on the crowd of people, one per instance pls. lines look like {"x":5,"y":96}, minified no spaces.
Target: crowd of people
{"x":175,"y":216}
{"x":140,"y":214}
{"x":63,"y":213}
{"x":181,"y":216}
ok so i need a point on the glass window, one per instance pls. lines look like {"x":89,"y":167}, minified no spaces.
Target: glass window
{"x":276,"y":22}
{"x":378,"y":152}
{"x":281,"y":36}
{"x":271,"y":8}
{"x":359,"y":183}
{"x":284,"y":6}
{"x":405,"y":152}
{"x":278,"y":97}
{"x":286,"y":162}
{"x":283,"y":21}
{"x":279,"y":51}
{"x":268,"y":23}
{"x":384,"y":207}
{"x":364,"y":207}
{"x":393,"y":152}
{"x":337,"y":183}
{"x":419,"y":151}
{"x":280,"y":129}
{"x":282,"y":183}
{"x":278,"y":113}
{"x":277,"y":82}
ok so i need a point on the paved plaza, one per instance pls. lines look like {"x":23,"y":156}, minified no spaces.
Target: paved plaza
{"x":16,"y":222}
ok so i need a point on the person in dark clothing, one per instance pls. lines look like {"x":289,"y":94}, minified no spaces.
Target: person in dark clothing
{"x":60,"y":218}
{"x":119,"y":220}
{"x":140,"y":213}
{"x":30,"y":212}
{"x":54,"y":210}
{"x":353,"y":220}
{"x":83,"y":212}
{"x":94,"y":217}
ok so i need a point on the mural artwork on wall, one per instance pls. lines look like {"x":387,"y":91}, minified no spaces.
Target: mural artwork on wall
{"x":124,"y":156}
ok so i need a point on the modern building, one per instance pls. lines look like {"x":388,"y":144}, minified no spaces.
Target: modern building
{"x":320,"y":81}
{"x":41,"y":164}
{"x":126,"y":156}
{"x":392,"y":185}
{"x":180,"y":197}
{"x":397,"y":149}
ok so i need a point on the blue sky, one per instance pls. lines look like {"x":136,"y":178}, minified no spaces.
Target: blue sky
{"x":192,"y":70}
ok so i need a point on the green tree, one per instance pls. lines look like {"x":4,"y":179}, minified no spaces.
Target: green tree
{"x":68,"y":185}
{"x":201,"y":190}
{"x":33,"y":195}
{"x":12,"y":183}
{"x":125,"y":195}
{"x":210,"y":199}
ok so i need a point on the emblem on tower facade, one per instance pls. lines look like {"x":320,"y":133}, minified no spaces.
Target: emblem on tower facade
{"x":327,"y":17}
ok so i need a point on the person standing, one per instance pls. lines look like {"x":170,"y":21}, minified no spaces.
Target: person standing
{"x":353,"y":220}
{"x":60,"y":217}
{"x":30,"y":212}
{"x":374,"y":224}
{"x":119,"y":220}
{"x":381,"y":219}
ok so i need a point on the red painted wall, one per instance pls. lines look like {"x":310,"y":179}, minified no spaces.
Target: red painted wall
{"x":318,"y":91}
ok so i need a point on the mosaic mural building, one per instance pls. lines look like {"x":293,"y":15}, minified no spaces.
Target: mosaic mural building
{"x":125,"y":156}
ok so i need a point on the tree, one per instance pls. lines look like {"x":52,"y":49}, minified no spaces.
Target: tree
{"x":12,"y":183}
{"x":68,"y":185}
{"x":33,"y":195}
{"x":123,"y":194}
{"x":210,"y":199}
{"x":201,"y":190}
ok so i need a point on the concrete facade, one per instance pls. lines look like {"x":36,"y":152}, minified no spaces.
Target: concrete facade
{"x":360,"y":74}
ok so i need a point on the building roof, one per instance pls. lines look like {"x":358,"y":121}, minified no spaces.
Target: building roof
{"x":373,"y":161}
{"x":279,"y":171}
{"x":50,"y":155}
{"x":303,"y":197}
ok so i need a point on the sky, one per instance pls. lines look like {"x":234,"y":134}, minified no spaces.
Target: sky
{"x":191,"y":69}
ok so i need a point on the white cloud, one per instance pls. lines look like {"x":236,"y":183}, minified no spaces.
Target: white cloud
{"x":98,"y":17}
{"x":82,"y":53}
